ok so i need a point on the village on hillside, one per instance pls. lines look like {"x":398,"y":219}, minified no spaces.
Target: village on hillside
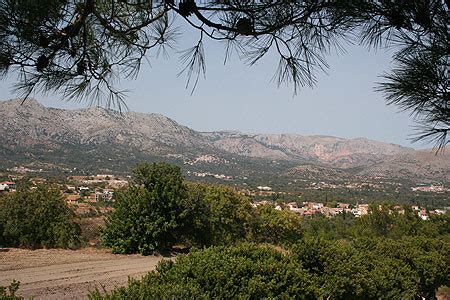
{"x":98,"y":191}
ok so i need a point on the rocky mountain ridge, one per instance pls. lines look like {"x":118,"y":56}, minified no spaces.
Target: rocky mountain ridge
{"x":31,"y":131}
{"x":31,"y":123}
{"x":339,"y":152}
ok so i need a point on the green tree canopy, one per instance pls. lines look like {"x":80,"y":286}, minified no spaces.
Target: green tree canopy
{"x":38,"y":218}
{"x":278,"y":227}
{"x":230,"y":215}
{"x":151,"y":214}
{"x":245,"y":271}
{"x":314,"y":268}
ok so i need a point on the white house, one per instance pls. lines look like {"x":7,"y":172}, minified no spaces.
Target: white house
{"x":264,"y":188}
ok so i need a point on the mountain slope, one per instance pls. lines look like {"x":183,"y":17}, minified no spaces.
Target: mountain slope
{"x":32,"y":124}
{"x":338,"y":152}
{"x":97,"y":138}
{"x":422,"y":165}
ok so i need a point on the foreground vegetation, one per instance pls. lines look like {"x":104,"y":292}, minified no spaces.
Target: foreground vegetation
{"x":9,"y":292}
{"x":160,"y":210}
{"x":312,"y":269}
{"x":244,"y":252}
{"x":238,"y":251}
{"x":37,"y":218}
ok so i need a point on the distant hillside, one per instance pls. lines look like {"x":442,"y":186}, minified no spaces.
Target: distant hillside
{"x":101,"y":139}
{"x":338,"y":152}
{"x":32,"y":124}
{"x":422,"y":165}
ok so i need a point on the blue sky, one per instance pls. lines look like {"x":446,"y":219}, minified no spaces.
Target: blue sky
{"x":237,"y":97}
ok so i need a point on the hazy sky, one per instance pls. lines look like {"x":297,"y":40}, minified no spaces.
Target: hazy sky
{"x":236,"y":97}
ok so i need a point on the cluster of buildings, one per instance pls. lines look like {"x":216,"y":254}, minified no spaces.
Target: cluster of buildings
{"x":431,"y":188}
{"x":92,"y":189}
{"x":86,"y":194}
{"x":7,"y":186}
{"x":425,"y":215}
{"x":208,"y":174}
{"x":312,"y":208}
{"x":211,"y":159}
{"x":81,"y":190}
{"x":358,"y":210}
{"x":24,"y":170}
{"x":110,"y":180}
{"x":349,"y":185}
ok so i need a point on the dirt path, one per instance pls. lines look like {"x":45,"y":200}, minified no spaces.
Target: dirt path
{"x":67,"y":274}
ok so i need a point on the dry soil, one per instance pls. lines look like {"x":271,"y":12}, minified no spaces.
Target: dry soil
{"x":69,"y":274}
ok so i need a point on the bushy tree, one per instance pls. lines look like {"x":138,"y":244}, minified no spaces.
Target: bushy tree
{"x":314,"y":268}
{"x":375,"y":268}
{"x":385,"y":221}
{"x":222,"y":216}
{"x":230,"y":215}
{"x":246,"y":271}
{"x":152,"y":214}
{"x":278,"y":227}
{"x":38,"y":218}
{"x":427,"y":258}
{"x":379,"y":221}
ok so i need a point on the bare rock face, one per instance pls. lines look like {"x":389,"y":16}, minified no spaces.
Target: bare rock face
{"x":421,"y":164}
{"x":339,"y":152}
{"x":32,"y":130}
{"x":31,"y":124}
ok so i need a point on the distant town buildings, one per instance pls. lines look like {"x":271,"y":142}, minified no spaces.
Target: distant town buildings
{"x":313,"y":208}
{"x":83,"y":188}
{"x":264,"y":188}
{"x":423,"y":214}
{"x":360,"y":210}
{"x":24,"y":170}
{"x":208,"y":174}
{"x":7,"y":186}
{"x":431,"y":188}
{"x":101,"y":187}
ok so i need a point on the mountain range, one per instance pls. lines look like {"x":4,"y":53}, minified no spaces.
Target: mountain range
{"x":106,"y":140}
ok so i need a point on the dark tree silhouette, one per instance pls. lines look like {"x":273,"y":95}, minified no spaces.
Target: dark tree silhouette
{"x":80,"y":48}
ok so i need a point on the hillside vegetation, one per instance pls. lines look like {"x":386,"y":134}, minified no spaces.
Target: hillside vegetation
{"x":238,"y":251}
{"x":35,"y":219}
{"x":98,"y":139}
{"x":242,"y":252}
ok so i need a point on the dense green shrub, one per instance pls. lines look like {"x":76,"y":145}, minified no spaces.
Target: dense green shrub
{"x":378,"y":223}
{"x":245,"y":271}
{"x":38,"y":218}
{"x":278,"y":227}
{"x":151,"y":214}
{"x":160,"y":210}
{"x":226,"y":217}
{"x":375,"y":268}
{"x":9,"y":292}
{"x":337,"y":227}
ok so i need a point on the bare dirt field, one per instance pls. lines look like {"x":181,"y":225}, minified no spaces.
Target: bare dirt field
{"x":69,"y":274}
